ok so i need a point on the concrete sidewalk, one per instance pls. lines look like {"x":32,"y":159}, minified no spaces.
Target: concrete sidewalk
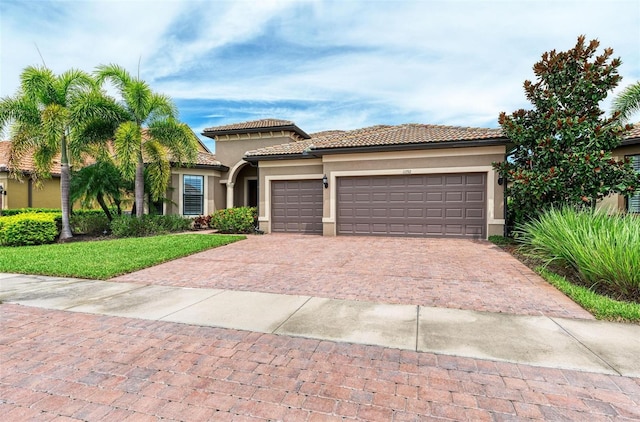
{"x":553,"y":342}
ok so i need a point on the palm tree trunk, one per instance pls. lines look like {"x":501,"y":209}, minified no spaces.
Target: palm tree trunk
{"x":103,"y":205}
{"x":139,"y":187}
{"x":65,"y":176}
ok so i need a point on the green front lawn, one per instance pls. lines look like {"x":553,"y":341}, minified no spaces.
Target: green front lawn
{"x":107,"y":258}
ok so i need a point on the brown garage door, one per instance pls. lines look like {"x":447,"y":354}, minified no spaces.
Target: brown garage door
{"x":296,"y":206}
{"x":414,"y":205}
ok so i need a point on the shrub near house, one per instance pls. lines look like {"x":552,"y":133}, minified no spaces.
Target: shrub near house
{"x":235,"y":220}
{"x":28,"y":229}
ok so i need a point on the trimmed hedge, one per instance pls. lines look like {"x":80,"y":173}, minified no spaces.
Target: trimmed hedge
{"x":235,"y":220}
{"x":28,"y":229}
{"x":149,"y":225}
{"x":16,"y":211}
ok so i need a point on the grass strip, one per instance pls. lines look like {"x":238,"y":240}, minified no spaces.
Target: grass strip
{"x":106,"y":258}
{"x":601,"y":307}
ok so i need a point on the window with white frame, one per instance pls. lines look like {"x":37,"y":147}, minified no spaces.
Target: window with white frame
{"x":192,"y":195}
{"x":633,"y":203}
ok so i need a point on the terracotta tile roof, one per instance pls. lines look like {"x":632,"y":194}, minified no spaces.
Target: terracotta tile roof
{"x":5,"y":148}
{"x":633,"y":136}
{"x":207,"y":159}
{"x":203,"y":159}
{"x":255,"y":126}
{"x":26,"y":165}
{"x":382,"y":135}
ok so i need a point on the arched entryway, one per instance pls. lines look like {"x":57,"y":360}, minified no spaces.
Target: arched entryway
{"x":242,"y":185}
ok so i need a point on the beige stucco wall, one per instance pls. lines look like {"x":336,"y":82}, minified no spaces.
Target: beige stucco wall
{"x":448,"y":160}
{"x":47,"y":196}
{"x":451,"y":160}
{"x":614,"y":203}
{"x":282,"y":170}
{"x":230,"y":149}
{"x":211,"y":186}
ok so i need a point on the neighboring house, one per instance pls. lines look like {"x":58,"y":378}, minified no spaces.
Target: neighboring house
{"x":193,"y":190}
{"x":629,"y":148}
{"x":23,"y":193}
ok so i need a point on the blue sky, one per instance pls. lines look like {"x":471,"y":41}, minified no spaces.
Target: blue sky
{"x":323,"y":64}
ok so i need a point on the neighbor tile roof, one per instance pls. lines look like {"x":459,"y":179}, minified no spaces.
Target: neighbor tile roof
{"x":634,"y":132}
{"x":381,"y":135}
{"x":26,"y":164}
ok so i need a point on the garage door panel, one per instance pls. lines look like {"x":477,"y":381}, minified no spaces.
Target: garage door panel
{"x":475,"y":196}
{"x":434,"y":180}
{"x":477,"y":213}
{"x":296,"y":206}
{"x":434,"y":196}
{"x":413,"y":205}
{"x":415,"y":197}
{"x":475,"y":179}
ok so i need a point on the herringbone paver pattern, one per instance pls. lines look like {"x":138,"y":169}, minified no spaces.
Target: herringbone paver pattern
{"x":450,"y":273}
{"x":58,"y":365}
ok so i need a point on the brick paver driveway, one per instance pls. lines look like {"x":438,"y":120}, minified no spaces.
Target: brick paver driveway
{"x":65,"y":366}
{"x":58,"y":365}
{"x":433,"y":272}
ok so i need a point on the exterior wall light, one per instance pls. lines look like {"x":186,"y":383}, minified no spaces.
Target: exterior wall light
{"x":325,"y":181}
{"x":500,"y":180}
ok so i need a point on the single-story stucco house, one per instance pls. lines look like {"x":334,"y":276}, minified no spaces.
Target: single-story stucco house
{"x":411,"y":180}
{"x":403,"y":180}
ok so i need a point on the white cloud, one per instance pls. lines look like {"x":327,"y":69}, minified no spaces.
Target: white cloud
{"x":457,"y":62}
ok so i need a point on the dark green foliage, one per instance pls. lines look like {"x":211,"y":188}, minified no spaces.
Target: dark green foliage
{"x":94,"y":223}
{"x":16,"y":211}
{"x":148,"y":225}
{"x":235,"y":220}
{"x":562,"y":148}
{"x":99,"y":182}
{"x":28,"y":229}
{"x":603,"y":250}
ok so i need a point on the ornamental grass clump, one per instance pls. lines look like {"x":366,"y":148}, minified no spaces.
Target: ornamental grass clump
{"x":602,"y":249}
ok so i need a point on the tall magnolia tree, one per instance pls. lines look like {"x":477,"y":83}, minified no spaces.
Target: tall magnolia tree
{"x":50,"y":115}
{"x":627,"y":103}
{"x":562,"y":147}
{"x":151,"y":133}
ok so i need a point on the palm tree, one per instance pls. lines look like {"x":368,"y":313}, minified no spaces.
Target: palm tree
{"x":50,"y":115}
{"x":627,"y":102}
{"x":151,"y":133}
{"x":99,"y":182}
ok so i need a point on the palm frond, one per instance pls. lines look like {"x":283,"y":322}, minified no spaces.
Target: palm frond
{"x":627,"y":102}
{"x":137,"y":96}
{"x":158,"y":169}
{"x":162,"y":107}
{"x":127,"y":146}
{"x":37,"y":84}
{"x":178,"y":138}
{"x":115,"y":74}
